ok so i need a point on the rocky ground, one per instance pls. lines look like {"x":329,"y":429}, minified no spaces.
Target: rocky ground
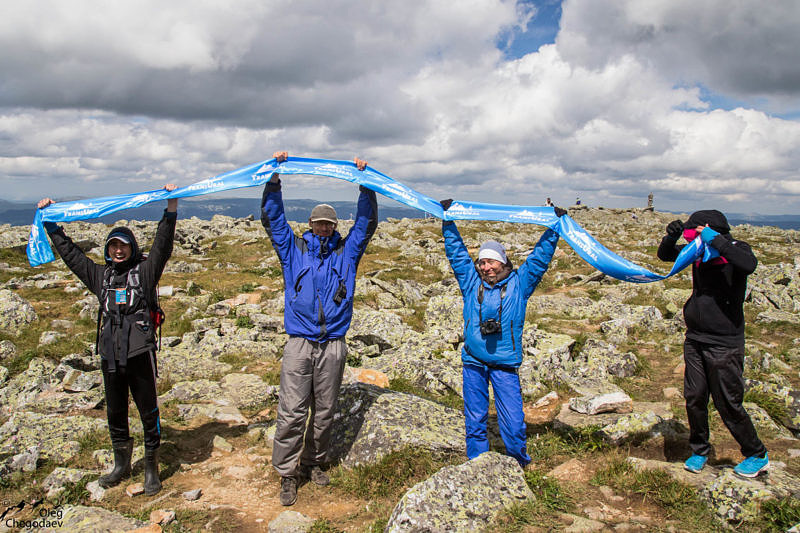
{"x":602,"y":380}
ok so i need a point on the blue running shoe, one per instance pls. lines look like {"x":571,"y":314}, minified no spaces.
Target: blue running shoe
{"x":752,"y":466}
{"x":695,"y":463}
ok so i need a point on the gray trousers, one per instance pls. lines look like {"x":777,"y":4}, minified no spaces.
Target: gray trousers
{"x":311,"y":373}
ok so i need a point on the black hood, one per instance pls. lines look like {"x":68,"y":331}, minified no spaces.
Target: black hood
{"x":135,"y":257}
{"x":712,"y":217}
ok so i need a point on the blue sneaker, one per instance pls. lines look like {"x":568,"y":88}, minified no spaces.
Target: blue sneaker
{"x":752,"y":466}
{"x":695,"y":463}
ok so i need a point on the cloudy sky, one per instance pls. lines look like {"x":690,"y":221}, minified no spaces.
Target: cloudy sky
{"x":697,"y":102}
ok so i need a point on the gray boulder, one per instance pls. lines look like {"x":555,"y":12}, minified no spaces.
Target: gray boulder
{"x":465,"y":497}
{"x":291,"y":522}
{"x":54,"y":434}
{"x":82,"y":519}
{"x":16,"y":313}
{"x":372,"y":422}
{"x":247,"y":390}
{"x":7,"y":350}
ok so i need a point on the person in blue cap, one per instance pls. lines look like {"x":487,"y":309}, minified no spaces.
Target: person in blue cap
{"x":495,"y":300}
{"x":714,"y":347}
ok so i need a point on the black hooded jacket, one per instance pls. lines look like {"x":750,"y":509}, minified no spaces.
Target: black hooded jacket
{"x":714,"y":312}
{"x":92,"y":274}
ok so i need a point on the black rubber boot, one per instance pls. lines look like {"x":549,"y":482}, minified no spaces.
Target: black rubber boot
{"x":152,"y":485}
{"x":122,"y":466}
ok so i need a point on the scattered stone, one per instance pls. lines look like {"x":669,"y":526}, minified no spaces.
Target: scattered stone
{"x":222,"y":413}
{"x":543,"y":410}
{"x":7,"y":350}
{"x":134,"y":489}
{"x":77,"y":381}
{"x":96,"y":492}
{"x":220,"y":444}
{"x":63,"y":476}
{"x":580,"y":524}
{"x":16,"y":313}
{"x":672,"y":393}
{"x":573,"y":470}
{"x":291,"y":522}
{"x":50,"y":337}
{"x":162,"y":517}
{"x":614,"y":402}
{"x":372,"y":377}
{"x":192,"y":495}
{"x":465,"y":497}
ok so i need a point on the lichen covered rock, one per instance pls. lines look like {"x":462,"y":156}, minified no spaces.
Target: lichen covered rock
{"x":466,"y":497}
{"x":372,"y":422}
{"x":16,"y":313}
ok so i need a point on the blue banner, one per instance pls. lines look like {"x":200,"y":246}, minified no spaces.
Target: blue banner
{"x":586,"y":246}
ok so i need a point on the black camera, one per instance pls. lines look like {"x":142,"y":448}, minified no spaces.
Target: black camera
{"x":490,"y":326}
{"x":341,"y":294}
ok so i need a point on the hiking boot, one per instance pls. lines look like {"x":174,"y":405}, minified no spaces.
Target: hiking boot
{"x":319,"y":477}
{"x":695,"y":463}
{"x":288,"y":490}
{"x":122,"y":465}
{"x":752,"y":466}
{"x":152,"y":485}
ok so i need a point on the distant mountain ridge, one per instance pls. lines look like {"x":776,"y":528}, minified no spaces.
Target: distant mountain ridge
{"x":21,"y":213}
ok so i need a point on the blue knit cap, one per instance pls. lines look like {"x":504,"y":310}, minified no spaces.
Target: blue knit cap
{"x":493,"y":250}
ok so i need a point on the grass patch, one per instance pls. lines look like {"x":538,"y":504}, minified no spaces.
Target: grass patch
{"x":772,"y":404}
{"x":552,"y":446}
{"x":550,"y":500}
{"x":779,"y":514}
{"x":678,"y":501}
{"x":391,"y":476}
{"x":244,"y":321}
{"x":323,"y":525}
{"x":449,"y":399}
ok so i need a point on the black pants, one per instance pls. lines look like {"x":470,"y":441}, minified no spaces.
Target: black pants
{"x":717,"y":370}
{"x":140,"y":377}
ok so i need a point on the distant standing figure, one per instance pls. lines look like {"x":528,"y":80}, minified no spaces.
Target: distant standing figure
{"x":714,"y":347}
{"x":650,"y":200}
{"x":548,"y":202}
{"x":578,"y":200}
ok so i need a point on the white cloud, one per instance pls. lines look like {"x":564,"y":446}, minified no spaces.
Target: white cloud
{"x":128,"y":95}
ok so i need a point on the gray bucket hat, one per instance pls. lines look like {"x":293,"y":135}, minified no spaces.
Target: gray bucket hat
{"x":323,"y":212}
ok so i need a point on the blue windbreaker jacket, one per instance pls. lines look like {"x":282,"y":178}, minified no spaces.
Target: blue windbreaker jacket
{"x":315,"y":267}
{"x":504,"y":348}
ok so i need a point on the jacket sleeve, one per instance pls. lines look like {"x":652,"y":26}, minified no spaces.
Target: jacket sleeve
{"x":89,"y":272}
{"x":160,"y":251}
{"x":531,"y":272}
{"x":274,"y":221}
{"x":365,"y":224}
{"x":737,"y":253}
{"x":457,"y":254}
{"x":669,"y":250}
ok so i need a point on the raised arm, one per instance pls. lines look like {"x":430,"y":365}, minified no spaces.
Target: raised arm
{"x":163,"y":243}
{"x":366,"y":219}
{"x":531,"y":272}
{"x":668,"y":249}
{"x":273,"y":217}
{"x":737,"y":253}
{"x":89,"y":272}
{"x":460,"y":261}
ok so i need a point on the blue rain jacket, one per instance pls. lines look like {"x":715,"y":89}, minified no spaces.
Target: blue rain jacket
{"x":315,"y":267}
{"x":505,"y":348}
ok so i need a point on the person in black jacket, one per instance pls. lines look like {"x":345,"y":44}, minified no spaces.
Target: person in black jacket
{"x":126,"y":290}
{"x":714,"y":347}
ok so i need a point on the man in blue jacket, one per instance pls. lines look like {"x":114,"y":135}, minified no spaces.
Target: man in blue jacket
{"x":319,"y":274}
{"x":495,"y":300}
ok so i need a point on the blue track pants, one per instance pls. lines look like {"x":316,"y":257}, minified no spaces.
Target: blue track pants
{"x":508,"y":402}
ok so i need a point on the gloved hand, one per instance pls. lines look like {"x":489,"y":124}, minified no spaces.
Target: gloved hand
{"x":675,"y":229}
{"x":559,"y":211}
{"x":446,"y":203}
{"x":708,"y":235}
